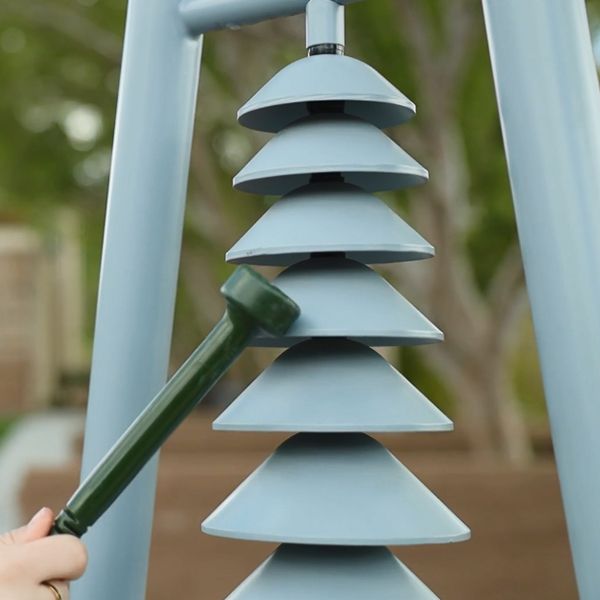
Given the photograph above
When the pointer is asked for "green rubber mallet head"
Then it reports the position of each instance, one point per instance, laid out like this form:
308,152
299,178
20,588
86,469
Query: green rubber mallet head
254,297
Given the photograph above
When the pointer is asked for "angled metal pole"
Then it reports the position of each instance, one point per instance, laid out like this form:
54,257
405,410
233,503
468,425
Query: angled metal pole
549,103
142,240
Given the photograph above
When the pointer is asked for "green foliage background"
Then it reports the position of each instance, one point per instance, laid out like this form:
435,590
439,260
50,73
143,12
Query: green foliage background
49,66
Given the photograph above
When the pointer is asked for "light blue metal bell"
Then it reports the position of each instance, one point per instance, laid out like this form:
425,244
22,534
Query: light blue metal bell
343,298
332,386
332,495
335,489
324,144
295,572
327,78
326,218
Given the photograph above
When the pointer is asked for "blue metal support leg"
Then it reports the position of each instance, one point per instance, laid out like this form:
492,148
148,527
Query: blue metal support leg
550,111
155,118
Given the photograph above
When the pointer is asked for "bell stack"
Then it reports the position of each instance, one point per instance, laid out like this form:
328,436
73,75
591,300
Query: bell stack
331,495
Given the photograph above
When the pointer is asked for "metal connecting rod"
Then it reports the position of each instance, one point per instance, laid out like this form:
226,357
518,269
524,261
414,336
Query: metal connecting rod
325,33
202,16
549,102
252,303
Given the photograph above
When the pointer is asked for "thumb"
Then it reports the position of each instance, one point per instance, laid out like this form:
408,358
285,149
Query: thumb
37,528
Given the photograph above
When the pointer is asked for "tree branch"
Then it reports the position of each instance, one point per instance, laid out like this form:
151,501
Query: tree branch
507,281
461,31
506,300
418,33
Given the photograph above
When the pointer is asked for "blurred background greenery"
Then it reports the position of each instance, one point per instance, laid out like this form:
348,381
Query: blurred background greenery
59,74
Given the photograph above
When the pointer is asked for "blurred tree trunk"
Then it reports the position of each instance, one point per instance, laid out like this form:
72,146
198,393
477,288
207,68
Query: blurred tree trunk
479,326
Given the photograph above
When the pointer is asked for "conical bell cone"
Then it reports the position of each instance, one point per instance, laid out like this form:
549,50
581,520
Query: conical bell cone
335,489
341,298
329,217
332,386
324,82
332,573
324,145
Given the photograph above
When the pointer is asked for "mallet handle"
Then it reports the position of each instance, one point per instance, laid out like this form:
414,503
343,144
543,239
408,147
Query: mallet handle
252,302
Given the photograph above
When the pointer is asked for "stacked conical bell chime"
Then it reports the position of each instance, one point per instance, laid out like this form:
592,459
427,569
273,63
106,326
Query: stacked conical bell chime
331,495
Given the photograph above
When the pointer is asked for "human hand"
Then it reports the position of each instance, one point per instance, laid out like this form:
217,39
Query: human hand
28,558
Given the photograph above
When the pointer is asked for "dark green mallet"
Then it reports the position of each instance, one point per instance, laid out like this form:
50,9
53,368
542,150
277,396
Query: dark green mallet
252,303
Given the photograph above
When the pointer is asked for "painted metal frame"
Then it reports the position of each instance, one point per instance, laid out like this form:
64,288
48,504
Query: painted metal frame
551,158
140,264
549,102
